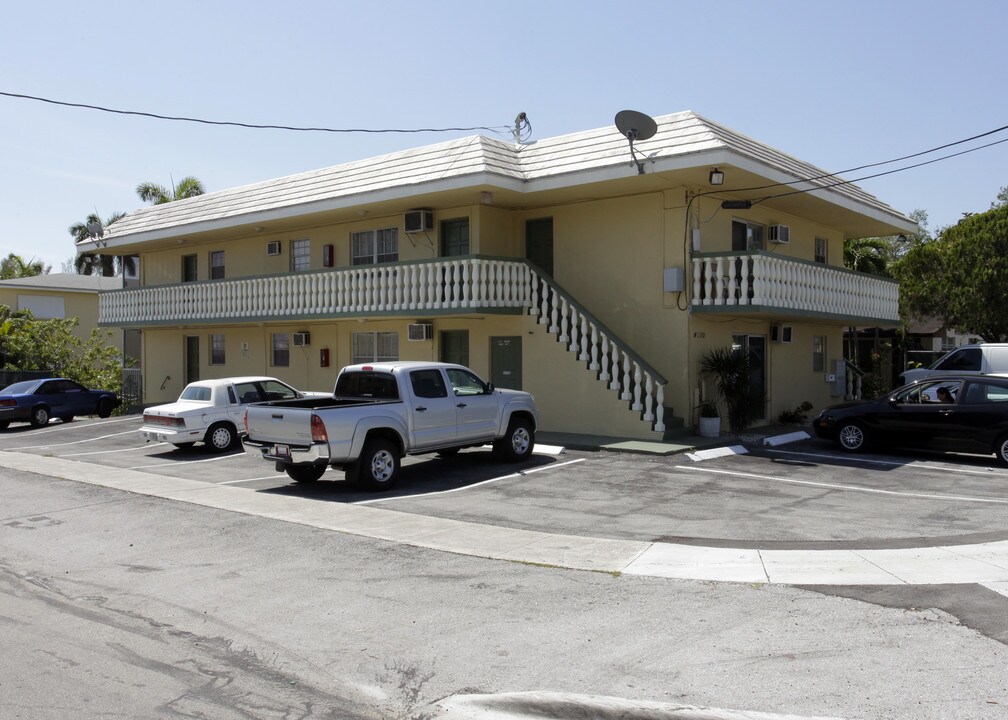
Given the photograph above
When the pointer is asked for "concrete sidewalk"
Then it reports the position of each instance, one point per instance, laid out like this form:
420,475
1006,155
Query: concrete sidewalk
985,563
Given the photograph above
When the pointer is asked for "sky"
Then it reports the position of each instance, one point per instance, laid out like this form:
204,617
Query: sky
837,84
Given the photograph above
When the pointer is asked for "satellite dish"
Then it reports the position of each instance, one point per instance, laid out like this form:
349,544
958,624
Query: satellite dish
633,126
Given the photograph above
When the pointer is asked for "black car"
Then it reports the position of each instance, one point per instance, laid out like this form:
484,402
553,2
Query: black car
941,413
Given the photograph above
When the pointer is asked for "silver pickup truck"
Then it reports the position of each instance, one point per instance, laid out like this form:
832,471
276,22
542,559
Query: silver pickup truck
382,411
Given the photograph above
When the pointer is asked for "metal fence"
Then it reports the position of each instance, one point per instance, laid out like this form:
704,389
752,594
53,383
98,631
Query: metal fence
132,390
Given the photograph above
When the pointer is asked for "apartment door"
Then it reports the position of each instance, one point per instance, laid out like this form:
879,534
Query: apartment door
506,362
755,347
191,358
455,347
455,237
539,243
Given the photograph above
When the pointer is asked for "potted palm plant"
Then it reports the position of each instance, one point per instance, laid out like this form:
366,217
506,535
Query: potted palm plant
710,420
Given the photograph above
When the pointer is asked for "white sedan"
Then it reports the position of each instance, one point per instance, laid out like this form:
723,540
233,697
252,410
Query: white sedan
212,411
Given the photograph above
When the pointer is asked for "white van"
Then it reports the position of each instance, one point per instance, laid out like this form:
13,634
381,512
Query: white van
982,359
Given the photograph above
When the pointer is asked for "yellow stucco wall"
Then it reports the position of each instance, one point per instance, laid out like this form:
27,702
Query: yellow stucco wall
608,254
83,306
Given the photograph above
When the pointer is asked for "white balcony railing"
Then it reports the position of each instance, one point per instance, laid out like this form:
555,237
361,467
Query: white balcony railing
444,284
436,285
761,281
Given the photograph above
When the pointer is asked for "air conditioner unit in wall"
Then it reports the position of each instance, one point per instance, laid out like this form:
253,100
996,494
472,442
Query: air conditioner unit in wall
418,220
780,234
301,338
273,247
780,333
420,331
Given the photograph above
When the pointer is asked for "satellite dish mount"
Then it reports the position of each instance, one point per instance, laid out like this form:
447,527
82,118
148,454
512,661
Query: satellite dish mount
635,126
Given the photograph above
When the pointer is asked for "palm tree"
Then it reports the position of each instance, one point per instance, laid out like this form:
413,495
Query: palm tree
95,263
15,266
868,255
155,194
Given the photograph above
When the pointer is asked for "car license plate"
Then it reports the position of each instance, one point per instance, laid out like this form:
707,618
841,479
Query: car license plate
281,450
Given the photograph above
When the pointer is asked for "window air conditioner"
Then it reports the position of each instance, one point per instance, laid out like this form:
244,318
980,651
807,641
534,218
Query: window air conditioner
780,234
780,333
420,331
302,338
273,247
418,220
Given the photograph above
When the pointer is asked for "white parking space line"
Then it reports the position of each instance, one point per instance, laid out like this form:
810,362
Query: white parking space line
891,463
62,425
74,442
179,463
110,452
278,476
837,486
520,473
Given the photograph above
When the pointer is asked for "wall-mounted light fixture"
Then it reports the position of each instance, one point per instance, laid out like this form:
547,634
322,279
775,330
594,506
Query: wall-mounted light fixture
716,177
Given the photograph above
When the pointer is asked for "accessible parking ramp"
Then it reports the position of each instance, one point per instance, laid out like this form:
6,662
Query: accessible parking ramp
985,563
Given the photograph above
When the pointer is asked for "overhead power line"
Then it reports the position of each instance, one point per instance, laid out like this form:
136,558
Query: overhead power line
498,129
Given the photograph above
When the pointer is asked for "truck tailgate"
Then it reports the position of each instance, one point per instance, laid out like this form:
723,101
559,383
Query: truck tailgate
288,425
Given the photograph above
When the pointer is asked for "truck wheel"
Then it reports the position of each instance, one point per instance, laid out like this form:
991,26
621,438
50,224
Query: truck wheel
39,416
517,443
378,465
220,437
305,473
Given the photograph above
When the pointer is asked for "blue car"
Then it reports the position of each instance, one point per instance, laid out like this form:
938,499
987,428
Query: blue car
35,401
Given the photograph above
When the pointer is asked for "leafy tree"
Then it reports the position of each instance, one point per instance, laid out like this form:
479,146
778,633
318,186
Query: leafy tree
95,263
156,194
962,276
1002,198
27,343
15,266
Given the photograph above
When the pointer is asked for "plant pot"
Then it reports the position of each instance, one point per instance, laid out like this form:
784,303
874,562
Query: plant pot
709,427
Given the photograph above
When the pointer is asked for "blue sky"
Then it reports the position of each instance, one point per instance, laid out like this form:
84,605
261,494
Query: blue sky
835,84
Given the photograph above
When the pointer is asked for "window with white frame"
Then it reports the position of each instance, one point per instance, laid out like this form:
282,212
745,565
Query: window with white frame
217,348
374,246
281,350
818,353
300,255
374,347
820,250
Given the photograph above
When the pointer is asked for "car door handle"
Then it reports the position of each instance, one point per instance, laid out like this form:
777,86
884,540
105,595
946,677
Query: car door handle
421,409
461,405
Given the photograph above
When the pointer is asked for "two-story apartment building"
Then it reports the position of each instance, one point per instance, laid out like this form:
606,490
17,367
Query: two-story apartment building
553,266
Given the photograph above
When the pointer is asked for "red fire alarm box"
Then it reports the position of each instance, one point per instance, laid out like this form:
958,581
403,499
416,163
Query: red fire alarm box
324,357
327,256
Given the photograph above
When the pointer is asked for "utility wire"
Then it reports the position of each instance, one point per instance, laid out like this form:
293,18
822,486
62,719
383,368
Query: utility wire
499,130
887,172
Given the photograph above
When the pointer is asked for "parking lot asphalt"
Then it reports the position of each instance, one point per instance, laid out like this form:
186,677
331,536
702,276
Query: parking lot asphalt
798,513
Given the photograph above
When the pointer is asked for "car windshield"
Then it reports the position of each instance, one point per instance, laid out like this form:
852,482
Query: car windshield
19,387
